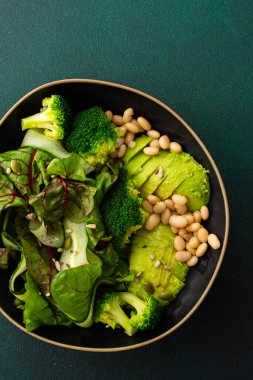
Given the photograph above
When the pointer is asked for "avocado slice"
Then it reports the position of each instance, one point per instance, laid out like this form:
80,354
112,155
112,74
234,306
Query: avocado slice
178,171
141,142
152,183
196,189
146,171
135,165
168,279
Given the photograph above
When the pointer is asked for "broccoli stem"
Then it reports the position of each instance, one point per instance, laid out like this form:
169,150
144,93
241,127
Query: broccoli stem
122,320
34,121
134,301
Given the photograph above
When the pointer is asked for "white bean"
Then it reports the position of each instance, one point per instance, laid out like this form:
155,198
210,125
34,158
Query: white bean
132,144
154,134
201,250
129,137
127,115
179,243
202,235
190,249
131,127
155,143
189,217
119,141
193,227
122,150
151,151
175,147
152,221
183,256
187,236
159,207
194,242
108,115
165,216
180,200
153,199
178,221
147,207
164,142
213,241
144,123
174,229
170,204
197,216
193,261
117,120
204,212
122,129
181,210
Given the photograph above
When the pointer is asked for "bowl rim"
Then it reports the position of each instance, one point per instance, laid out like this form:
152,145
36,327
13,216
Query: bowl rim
227,218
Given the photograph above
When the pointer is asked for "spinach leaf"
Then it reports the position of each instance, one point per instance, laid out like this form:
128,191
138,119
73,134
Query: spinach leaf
68,168
26,167
72,288
9,196
37,311
73,200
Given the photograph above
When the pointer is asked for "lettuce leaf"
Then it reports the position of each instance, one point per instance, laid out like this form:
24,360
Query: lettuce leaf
73,200
26,167
37,310
72,288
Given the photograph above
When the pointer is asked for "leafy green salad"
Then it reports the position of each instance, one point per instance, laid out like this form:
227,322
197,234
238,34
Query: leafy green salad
88,221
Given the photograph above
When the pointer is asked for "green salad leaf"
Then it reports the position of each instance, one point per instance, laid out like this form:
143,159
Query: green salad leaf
72,288
9,196
26,168
61,198
4,257
37,311
38,259
70,168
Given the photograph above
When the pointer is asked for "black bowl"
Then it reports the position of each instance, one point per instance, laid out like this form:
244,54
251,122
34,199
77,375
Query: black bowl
82,93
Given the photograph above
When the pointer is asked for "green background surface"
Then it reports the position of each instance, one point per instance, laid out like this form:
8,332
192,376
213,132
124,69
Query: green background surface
196,56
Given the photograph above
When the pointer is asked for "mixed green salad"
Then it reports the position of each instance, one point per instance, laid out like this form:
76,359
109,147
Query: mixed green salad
88,221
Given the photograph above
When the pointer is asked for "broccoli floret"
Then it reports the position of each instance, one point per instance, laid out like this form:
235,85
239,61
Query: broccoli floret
92,136
54,117
147,313
108,310
121,211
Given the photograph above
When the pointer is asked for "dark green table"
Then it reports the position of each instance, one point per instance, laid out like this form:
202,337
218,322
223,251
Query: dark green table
197,57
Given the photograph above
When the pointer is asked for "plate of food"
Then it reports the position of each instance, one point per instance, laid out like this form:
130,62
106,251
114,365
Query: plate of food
114,217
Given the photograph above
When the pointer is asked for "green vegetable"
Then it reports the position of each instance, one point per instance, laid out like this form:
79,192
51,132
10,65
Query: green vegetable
147,313
61,198
36,139
108,310
121,211
92,136
37,311
38,259
50,234
70,168
167,279
20,269
26,168
4,257
54,118
9,195
72,290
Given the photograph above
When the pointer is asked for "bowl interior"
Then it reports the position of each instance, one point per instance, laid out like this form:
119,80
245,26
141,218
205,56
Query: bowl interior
81,95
